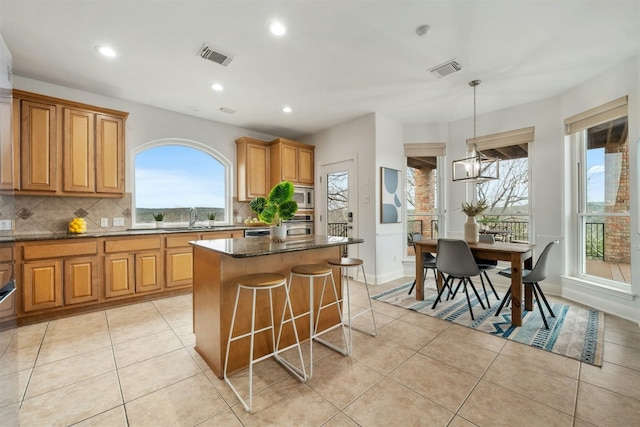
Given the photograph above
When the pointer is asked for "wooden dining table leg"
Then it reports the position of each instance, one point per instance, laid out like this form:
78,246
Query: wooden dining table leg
516,289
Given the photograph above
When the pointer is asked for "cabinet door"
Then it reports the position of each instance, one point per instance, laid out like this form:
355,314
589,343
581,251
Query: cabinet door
305,166
42,284
109,154
9,145
148,271
80,280
118,275
79,157
38,146
179,267
257,171
288,163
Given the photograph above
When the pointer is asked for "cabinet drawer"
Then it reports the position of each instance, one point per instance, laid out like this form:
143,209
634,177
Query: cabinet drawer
59,250
131,245
180,241
6,254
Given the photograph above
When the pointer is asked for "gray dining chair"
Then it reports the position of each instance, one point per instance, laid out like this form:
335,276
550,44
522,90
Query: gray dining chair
531,278
456,261
487,264
428,261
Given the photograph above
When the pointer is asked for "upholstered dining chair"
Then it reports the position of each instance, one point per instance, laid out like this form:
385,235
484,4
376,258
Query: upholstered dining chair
531,278
487,264
428,261
456,261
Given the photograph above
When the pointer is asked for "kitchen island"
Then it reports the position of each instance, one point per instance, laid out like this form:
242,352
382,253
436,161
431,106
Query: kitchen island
217,264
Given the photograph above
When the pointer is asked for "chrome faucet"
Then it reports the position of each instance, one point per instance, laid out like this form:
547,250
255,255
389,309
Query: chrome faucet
193,215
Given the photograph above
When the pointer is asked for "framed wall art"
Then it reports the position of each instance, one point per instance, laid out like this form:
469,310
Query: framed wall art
390,197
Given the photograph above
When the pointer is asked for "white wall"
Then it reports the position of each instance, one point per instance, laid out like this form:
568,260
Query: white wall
390,238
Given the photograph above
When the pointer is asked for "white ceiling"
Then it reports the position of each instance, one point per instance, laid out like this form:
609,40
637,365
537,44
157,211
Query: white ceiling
338,60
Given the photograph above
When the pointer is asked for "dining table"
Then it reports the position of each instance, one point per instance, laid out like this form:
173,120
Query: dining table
518,254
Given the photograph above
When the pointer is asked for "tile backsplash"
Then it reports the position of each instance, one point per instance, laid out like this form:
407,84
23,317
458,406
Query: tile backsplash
48,214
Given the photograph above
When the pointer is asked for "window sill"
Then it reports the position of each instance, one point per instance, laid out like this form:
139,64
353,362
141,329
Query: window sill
620,291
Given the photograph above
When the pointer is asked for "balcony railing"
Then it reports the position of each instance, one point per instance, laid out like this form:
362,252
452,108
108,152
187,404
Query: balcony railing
594,239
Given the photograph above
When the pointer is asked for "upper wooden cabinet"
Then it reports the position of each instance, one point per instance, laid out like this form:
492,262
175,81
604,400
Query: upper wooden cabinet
9,145
84,142
262,164
291,161
252,168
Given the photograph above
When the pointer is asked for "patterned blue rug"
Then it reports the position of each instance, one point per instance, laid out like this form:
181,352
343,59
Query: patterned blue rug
575,332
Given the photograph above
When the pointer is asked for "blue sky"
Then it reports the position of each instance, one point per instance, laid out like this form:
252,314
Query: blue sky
176,176
595,175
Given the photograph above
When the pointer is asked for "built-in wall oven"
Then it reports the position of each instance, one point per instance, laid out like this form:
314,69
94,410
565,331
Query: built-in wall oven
300,225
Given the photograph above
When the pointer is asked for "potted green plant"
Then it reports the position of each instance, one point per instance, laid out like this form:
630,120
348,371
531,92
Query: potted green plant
278,207
212,218
471,227
159,217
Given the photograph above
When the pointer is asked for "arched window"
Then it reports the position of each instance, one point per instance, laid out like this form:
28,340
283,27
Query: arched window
172,176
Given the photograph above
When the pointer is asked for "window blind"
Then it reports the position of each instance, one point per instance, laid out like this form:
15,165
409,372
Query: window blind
434,149
596,116
504,139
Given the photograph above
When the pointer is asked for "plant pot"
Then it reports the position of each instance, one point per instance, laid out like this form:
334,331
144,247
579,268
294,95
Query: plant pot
278,233
471,230
159,224
212,222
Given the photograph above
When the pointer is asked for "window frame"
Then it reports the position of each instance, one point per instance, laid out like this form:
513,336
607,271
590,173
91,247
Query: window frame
206,149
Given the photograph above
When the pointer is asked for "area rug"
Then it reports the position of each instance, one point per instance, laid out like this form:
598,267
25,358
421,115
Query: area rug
575,332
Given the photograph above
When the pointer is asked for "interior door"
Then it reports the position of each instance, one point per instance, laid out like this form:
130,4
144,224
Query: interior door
338,198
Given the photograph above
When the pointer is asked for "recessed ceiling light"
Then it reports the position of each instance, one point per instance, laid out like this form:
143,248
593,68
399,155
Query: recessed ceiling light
217,87
106,51
423,30
286,109
277,28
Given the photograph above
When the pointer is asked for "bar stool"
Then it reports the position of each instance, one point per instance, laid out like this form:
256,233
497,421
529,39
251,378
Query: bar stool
344,264
317,271
254,283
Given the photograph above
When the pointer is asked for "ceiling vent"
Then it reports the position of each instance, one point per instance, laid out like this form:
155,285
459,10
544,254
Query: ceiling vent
215,55
445,69
227,110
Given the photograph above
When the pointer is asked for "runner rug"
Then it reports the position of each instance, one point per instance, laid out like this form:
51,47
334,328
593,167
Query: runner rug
575,332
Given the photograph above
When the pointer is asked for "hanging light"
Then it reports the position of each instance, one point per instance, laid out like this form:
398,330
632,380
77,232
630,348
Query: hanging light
475,166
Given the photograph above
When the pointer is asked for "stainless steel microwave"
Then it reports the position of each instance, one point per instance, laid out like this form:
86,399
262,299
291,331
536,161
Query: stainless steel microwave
304,197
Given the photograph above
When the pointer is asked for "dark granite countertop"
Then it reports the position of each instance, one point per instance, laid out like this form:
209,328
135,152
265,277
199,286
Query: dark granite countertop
257,246
120,233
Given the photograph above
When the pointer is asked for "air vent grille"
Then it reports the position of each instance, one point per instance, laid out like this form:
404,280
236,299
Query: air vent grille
215,55
227,110
445,69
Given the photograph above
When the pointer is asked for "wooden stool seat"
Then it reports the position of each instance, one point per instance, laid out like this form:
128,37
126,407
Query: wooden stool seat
261,280
345,262
310,269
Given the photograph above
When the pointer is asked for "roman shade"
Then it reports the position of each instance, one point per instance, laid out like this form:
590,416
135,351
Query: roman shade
425,149
596,116
504,139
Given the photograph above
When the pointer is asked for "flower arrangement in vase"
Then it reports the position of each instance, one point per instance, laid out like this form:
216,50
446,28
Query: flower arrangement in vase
278,207
471,227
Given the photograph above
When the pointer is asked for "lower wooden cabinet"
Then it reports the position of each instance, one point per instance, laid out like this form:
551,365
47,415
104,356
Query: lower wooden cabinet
80,280
42,284
58,274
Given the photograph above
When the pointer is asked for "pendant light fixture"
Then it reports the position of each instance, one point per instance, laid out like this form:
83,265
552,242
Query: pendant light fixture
475,166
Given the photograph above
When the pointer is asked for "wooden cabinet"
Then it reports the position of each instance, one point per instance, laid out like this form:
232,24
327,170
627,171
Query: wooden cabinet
9,144
58,273
38,146
132,265
291,161
252,168
85,143
179,255
8,306
80,280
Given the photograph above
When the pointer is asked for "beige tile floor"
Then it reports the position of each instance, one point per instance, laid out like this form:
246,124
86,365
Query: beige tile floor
136,366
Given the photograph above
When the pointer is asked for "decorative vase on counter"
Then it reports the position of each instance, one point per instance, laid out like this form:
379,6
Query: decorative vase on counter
278,233
471,230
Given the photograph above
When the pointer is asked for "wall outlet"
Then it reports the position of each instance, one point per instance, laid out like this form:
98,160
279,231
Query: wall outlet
104,222
6,224
118,222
